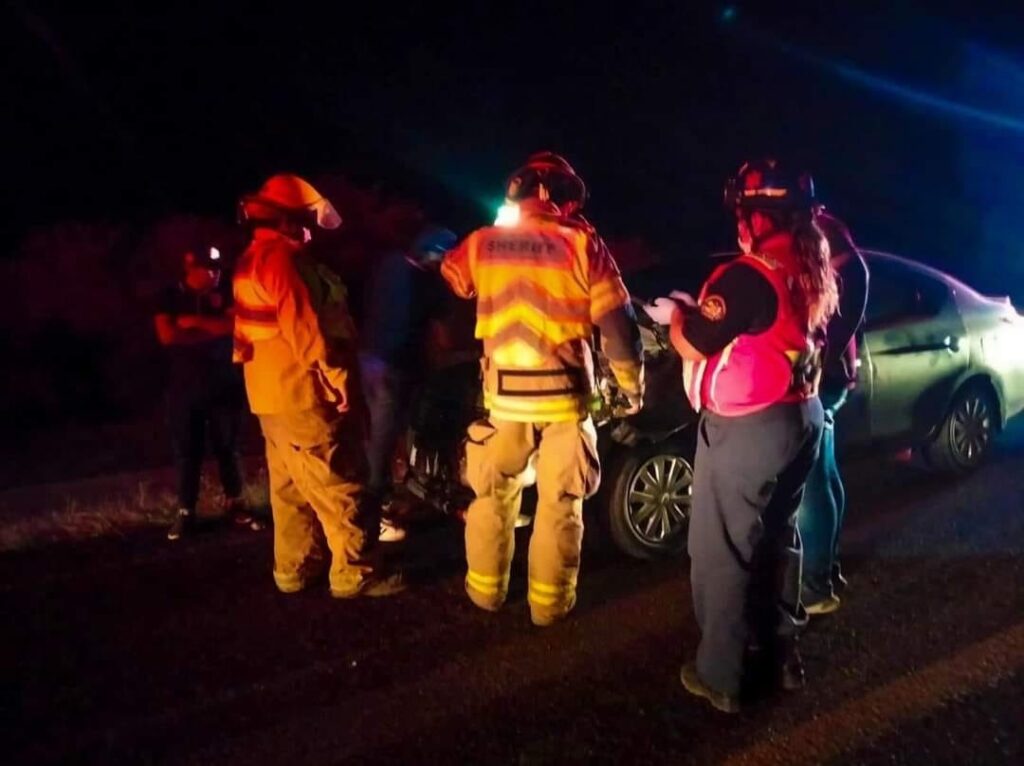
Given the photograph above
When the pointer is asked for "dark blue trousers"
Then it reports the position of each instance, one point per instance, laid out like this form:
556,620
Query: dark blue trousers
193,415
743,542
387,398
823,509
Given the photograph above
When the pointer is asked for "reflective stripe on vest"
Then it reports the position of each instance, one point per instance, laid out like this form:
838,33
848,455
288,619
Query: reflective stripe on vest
255,314
534,315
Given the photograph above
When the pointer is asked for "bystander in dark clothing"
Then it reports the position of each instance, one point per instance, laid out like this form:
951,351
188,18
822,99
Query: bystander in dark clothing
404,296
205,395
823,509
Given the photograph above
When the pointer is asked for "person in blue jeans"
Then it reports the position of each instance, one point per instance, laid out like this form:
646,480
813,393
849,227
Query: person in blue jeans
821,513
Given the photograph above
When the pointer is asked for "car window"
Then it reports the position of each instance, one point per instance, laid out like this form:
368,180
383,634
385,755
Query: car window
898,293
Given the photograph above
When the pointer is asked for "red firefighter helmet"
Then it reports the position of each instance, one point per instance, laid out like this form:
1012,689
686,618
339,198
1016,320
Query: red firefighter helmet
767,185
286,196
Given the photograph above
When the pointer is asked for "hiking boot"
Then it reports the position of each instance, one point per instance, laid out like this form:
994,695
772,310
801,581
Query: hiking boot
390,532
825,605
184,524
374,586
692,682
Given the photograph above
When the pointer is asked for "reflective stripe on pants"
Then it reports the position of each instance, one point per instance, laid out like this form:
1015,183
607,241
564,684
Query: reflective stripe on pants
498,455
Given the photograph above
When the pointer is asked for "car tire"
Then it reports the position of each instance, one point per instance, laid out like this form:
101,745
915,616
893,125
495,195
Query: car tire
648,498
965,436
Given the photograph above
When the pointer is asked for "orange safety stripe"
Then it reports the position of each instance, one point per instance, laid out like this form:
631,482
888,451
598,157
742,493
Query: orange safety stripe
535,305
532,294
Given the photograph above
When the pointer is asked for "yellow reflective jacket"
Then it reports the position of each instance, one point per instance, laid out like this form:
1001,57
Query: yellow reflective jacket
293,332
541,287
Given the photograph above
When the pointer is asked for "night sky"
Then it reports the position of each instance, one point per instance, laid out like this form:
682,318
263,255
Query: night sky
912,120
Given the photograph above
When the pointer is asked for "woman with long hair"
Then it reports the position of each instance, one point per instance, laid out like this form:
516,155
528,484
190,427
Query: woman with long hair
821,514
751,347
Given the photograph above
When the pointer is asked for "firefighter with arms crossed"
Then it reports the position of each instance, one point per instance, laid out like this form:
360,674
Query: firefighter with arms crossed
296,341
751,353
542,284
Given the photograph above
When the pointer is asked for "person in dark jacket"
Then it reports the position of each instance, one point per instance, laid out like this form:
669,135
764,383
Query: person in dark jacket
404,294
821,514
193,321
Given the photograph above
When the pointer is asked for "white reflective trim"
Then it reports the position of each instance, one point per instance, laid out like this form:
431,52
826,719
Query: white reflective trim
723,360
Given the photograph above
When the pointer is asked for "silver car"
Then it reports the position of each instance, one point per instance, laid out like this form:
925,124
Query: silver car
941,370
941,366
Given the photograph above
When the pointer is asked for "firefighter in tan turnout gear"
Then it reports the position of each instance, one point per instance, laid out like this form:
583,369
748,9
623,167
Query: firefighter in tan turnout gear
296,342
542,282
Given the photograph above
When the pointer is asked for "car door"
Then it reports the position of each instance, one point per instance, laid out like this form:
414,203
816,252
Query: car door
917,348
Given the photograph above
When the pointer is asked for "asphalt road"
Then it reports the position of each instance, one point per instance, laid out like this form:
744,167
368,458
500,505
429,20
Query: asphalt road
138,651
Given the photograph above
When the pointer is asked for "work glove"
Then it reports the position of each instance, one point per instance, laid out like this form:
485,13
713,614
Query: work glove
662,309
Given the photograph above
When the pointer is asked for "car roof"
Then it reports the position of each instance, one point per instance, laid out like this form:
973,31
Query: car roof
921,268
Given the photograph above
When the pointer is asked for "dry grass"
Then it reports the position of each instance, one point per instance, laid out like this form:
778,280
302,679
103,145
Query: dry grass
137,505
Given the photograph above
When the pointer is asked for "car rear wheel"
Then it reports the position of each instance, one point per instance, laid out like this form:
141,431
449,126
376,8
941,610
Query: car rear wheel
648,505
965,436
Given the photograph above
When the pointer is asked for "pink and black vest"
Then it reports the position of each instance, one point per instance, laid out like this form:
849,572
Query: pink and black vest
754,372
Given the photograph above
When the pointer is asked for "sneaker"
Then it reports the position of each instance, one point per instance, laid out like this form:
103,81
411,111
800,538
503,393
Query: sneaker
692,682
825,605
236,512
257,525
374,586
389,532
182,525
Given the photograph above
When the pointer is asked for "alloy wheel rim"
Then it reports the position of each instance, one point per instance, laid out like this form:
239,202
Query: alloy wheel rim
659,499
971,429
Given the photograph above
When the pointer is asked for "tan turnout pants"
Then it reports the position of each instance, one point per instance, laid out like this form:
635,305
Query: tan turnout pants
317,468
498,455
